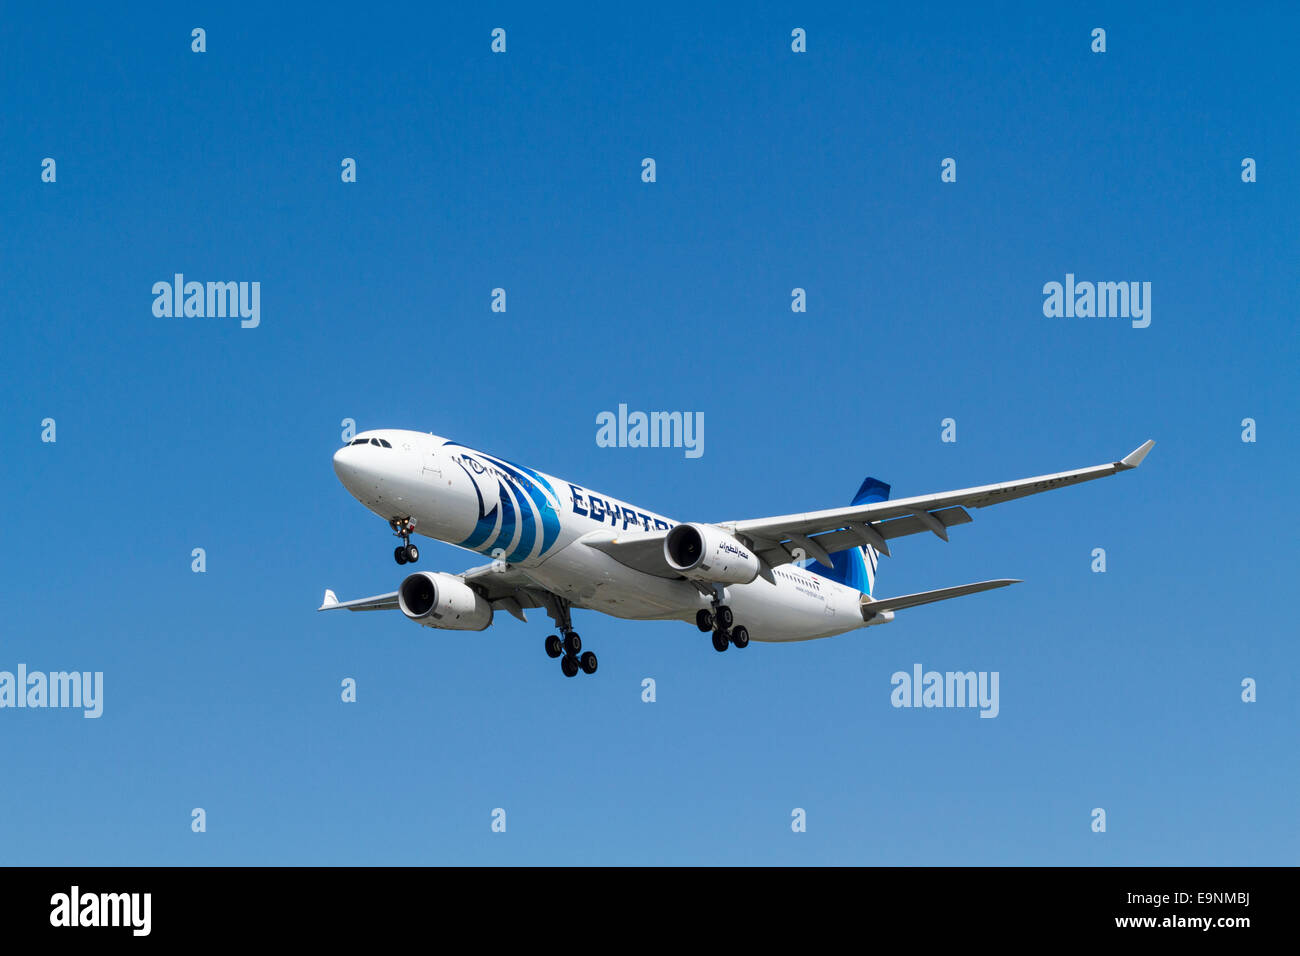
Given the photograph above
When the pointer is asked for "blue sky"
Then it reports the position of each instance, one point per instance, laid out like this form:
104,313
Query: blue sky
775,170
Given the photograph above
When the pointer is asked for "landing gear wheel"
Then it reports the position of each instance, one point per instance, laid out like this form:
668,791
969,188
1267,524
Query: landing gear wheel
704,620
568,643
404,553
720,641
724,617
740,637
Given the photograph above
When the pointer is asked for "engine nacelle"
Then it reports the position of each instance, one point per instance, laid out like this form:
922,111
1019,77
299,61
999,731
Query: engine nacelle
702,552
435,599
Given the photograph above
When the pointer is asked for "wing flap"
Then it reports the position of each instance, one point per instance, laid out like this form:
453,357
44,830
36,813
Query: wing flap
776,553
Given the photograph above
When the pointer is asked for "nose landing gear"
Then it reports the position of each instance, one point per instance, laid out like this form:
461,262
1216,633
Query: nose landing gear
404,553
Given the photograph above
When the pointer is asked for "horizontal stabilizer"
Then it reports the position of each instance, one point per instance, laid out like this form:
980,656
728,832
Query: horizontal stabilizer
870,607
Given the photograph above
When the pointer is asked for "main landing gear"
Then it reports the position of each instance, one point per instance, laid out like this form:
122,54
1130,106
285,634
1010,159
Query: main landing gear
719,620
567,645
404,553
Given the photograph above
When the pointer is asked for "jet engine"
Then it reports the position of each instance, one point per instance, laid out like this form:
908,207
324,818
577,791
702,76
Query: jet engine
702,552
435,599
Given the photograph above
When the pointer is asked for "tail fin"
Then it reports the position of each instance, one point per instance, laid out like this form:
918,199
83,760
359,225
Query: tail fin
856,567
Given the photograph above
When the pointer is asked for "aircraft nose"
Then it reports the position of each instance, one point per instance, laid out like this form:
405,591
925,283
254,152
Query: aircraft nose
350,466
372,473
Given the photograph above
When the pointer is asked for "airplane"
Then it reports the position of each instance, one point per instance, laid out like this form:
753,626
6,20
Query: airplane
557,545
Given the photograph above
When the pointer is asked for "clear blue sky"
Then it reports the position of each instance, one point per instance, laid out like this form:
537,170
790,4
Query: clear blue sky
775,170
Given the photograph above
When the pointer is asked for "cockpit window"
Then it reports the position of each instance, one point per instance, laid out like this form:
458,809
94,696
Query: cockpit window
359,441
384,442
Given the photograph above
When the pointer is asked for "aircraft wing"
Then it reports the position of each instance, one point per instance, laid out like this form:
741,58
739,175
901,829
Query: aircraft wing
506,588
380,602
641,550
819,534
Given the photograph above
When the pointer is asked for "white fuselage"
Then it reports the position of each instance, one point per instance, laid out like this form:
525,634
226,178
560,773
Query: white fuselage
536,523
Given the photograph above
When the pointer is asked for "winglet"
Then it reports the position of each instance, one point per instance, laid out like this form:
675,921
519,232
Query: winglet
331,600
1134,458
